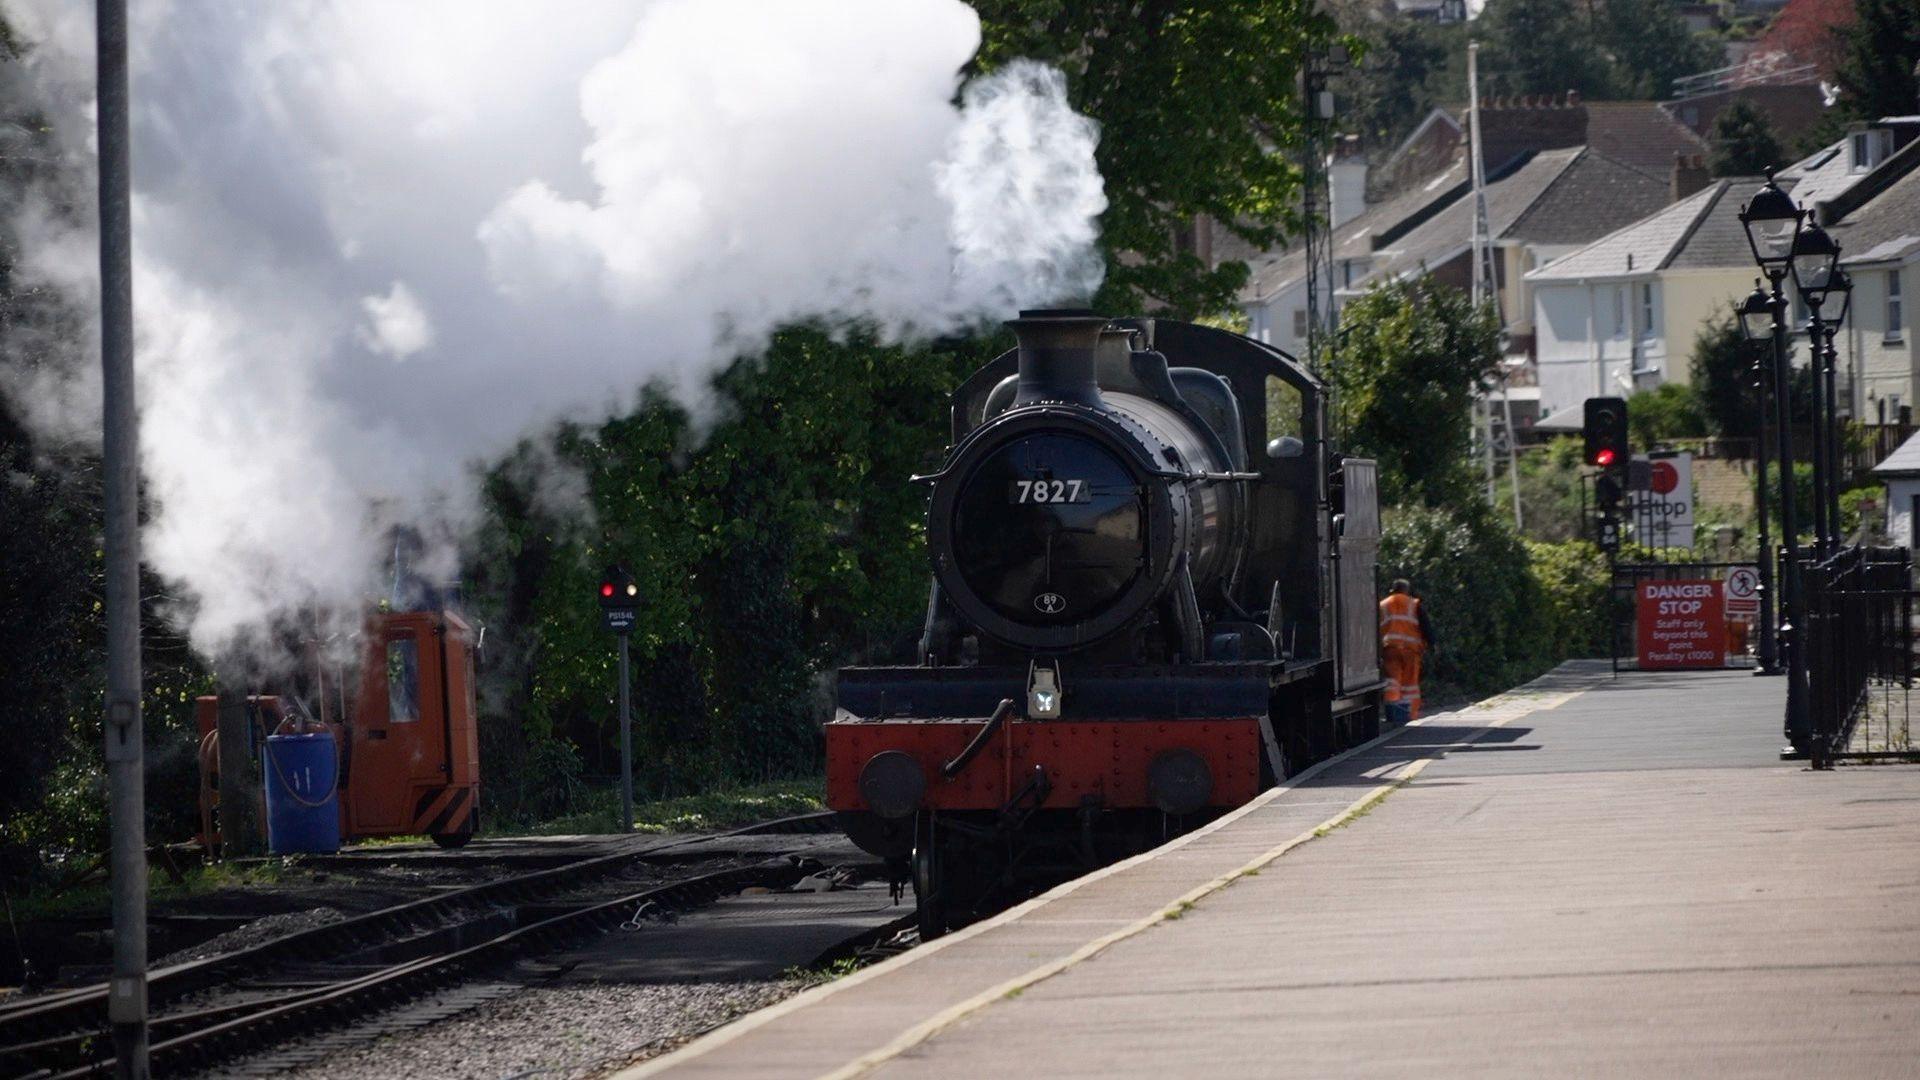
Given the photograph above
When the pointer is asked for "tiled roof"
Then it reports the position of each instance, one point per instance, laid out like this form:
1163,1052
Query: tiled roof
1641,135
1886,228
1820,176
1356,238
1647,244
1718,240
1904,460
1521,206
1593,196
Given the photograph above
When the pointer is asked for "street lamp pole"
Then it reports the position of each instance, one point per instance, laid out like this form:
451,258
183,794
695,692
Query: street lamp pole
1816,276
1840,285
1772,223
1756,325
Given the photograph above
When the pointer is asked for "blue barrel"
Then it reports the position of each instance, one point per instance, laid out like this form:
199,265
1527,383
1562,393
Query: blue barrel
303,793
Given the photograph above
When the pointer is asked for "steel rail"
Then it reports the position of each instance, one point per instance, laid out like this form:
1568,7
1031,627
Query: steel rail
223,1032
83,1009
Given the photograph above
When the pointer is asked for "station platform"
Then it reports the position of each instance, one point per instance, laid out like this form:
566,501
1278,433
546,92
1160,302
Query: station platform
1590,875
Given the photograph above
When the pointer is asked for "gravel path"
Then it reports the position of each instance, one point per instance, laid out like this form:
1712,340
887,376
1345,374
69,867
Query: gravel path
552,1032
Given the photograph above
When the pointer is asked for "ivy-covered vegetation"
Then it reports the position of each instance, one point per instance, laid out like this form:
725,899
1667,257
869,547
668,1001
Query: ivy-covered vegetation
775,536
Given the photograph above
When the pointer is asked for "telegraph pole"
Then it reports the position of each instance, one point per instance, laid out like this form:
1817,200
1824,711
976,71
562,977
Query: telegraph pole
120,466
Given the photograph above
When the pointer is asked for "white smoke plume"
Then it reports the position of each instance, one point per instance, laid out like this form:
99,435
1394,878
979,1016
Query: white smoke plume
378,241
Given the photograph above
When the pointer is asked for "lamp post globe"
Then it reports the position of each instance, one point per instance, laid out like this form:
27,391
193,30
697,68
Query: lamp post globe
1756,315
1772,223
1813,263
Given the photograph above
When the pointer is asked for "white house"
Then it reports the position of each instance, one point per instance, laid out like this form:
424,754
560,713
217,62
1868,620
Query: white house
1878,227
1901,474
1621,314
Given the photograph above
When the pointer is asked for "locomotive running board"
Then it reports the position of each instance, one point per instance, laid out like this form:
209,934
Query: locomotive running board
1196,691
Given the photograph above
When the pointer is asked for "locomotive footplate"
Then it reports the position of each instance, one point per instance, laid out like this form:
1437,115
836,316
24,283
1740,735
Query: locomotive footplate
1137,738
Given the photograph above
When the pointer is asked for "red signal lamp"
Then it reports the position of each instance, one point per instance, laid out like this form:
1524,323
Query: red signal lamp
606,588
1603,457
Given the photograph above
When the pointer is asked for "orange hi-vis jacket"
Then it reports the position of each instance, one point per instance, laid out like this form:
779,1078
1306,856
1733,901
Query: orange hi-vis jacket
1401,646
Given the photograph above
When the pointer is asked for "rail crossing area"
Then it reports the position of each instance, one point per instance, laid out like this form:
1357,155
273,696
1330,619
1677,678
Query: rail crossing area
1594,875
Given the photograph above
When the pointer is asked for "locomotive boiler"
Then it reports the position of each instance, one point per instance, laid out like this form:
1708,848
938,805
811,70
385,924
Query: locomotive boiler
1153,595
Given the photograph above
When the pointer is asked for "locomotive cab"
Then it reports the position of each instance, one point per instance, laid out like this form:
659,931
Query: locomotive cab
1141,611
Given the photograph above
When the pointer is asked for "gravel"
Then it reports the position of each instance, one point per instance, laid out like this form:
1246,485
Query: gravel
574,1031
259,931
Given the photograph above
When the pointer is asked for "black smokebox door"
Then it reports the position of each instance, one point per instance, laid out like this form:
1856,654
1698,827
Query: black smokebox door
1048,529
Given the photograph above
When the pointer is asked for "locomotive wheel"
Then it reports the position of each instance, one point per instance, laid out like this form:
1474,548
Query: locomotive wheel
451,840
929,878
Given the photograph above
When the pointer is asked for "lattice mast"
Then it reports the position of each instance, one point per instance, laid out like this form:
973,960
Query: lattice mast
1486,290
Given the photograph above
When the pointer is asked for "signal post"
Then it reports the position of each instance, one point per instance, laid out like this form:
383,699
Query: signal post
619,603
1605,433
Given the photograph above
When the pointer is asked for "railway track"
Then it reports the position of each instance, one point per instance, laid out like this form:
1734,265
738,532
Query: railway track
331,974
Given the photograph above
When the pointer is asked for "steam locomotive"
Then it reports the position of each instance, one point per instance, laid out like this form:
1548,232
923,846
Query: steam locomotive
1153,596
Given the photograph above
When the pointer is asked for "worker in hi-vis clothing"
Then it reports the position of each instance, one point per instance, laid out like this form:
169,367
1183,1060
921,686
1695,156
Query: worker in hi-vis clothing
1405,636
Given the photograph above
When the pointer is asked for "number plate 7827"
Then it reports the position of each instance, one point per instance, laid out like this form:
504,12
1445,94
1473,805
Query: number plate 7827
1022,492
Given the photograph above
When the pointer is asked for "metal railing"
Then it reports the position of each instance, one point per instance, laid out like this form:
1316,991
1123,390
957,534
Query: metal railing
1766,71
1860,638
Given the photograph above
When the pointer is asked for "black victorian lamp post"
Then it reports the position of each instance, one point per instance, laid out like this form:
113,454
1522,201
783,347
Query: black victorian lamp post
1772,223
1836,300
1756,325
1814,260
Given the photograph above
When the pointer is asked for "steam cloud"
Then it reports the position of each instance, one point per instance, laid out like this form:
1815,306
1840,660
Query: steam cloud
375,242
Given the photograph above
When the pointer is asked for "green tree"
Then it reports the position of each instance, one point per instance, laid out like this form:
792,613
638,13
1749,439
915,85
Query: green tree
1398,81
1723,378
1743,142
1650,46
1415,352
1193,98
1541,47
1666,412
1878,54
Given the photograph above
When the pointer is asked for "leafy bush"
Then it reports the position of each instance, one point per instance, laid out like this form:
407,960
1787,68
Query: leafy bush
1551,494
1475,580
1667,412
1573,580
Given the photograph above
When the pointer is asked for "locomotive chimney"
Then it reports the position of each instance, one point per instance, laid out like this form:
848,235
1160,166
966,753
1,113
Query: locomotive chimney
1058,356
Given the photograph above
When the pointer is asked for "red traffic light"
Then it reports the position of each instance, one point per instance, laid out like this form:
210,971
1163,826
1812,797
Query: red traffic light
606,588
1603,457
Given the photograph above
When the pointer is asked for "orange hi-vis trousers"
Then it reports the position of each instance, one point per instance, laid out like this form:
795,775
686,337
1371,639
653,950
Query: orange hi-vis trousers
1400,665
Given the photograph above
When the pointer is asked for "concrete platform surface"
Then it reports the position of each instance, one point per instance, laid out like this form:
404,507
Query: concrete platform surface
1593,877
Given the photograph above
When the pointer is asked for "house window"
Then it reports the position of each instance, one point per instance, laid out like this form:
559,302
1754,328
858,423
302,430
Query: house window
1300,322
1646,309
1869,148
1894,305
1619,312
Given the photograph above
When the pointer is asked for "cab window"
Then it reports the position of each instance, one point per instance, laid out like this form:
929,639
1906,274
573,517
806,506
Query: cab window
403,681
1285,410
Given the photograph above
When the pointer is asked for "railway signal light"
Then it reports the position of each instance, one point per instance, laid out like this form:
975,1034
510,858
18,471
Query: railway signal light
618,590
1607,494
1606,432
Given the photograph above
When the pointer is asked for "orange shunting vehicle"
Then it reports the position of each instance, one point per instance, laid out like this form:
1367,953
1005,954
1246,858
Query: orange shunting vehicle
405,750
